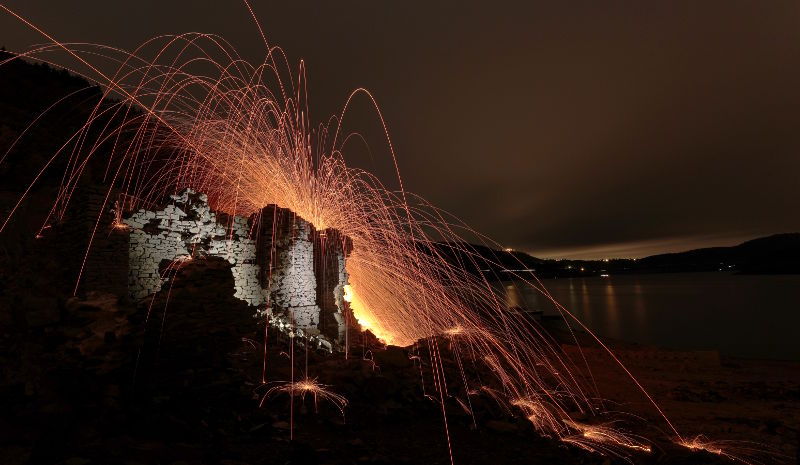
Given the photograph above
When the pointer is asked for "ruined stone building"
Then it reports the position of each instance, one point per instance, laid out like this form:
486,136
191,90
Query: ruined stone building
282,266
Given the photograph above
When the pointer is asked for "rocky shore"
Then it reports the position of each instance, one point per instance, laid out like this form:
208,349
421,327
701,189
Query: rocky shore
179,381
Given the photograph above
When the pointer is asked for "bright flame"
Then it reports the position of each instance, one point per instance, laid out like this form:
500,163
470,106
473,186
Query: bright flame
365,317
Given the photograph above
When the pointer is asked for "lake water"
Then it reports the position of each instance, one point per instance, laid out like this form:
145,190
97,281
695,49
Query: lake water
739,315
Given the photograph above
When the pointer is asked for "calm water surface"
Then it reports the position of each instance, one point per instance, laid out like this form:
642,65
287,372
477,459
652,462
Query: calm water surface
739,315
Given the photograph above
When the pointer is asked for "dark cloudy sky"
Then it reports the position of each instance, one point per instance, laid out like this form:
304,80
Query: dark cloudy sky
586,129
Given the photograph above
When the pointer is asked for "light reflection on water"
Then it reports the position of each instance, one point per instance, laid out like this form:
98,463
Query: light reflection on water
740,315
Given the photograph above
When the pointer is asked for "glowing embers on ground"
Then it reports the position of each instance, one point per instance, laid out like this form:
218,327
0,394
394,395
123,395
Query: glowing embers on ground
750,453
308,386
605,438
600,437
538,414
701,443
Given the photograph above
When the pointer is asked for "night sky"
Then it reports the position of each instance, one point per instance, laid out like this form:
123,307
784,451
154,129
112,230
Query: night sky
565,129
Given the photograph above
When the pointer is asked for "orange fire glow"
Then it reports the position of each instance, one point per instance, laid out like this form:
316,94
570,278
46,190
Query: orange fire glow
366,318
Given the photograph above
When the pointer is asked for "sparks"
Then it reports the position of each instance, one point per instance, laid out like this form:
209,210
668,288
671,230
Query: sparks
308,386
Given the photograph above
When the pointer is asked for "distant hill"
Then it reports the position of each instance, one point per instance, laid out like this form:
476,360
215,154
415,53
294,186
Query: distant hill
779,253
776,254
481,259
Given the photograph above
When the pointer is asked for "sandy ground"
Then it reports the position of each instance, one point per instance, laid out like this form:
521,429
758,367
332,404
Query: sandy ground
753,403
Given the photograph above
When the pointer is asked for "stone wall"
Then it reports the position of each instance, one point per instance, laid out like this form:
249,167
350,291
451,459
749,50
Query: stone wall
280,263
330,251
184,230
293,286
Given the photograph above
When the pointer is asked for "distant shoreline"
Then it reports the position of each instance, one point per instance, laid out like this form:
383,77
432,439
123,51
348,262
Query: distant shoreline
778,254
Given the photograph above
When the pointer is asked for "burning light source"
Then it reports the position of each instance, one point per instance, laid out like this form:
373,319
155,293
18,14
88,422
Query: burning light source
364,317
348,293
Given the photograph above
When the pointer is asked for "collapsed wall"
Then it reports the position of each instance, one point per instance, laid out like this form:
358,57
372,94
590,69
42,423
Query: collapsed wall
330,251
184,230
306,271
292,283
281,265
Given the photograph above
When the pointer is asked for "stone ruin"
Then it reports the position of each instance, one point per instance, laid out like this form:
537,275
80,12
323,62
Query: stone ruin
282,266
